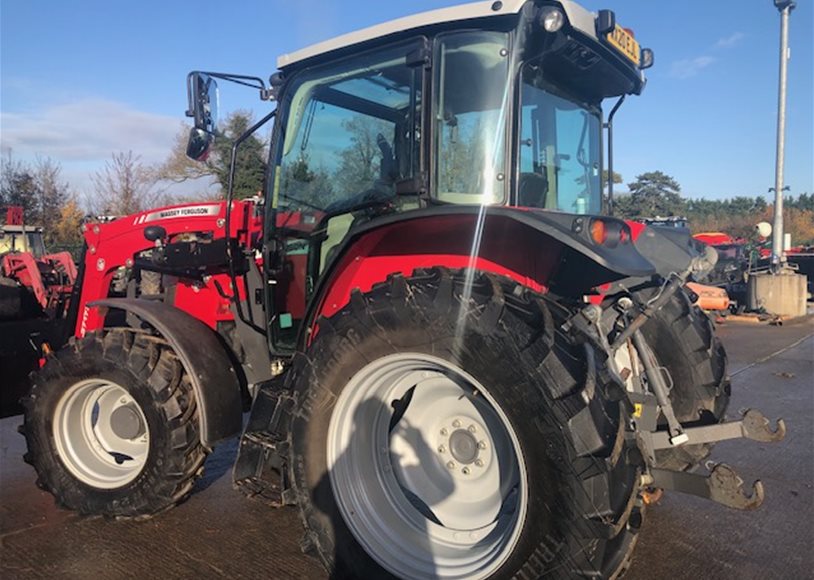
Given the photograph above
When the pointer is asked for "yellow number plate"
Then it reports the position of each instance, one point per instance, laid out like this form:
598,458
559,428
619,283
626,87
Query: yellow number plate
625,43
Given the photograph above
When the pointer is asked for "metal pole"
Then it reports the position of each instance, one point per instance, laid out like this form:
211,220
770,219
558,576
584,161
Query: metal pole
785,7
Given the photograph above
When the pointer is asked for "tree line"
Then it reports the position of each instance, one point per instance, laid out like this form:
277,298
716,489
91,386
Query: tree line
655,193
126,185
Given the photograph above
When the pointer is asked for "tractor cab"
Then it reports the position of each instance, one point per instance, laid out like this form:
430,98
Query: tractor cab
488,104
16,237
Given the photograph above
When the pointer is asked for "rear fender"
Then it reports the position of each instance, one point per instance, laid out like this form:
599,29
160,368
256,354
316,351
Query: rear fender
540,249
214,381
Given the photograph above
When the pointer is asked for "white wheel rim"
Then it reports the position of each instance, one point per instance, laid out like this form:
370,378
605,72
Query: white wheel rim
101,434
452,452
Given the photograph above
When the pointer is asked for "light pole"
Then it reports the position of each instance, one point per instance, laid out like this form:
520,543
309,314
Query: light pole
785,7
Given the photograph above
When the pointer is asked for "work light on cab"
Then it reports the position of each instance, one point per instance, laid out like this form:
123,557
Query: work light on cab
552,19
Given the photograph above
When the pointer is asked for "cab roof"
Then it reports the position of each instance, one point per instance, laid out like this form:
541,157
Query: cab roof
578,17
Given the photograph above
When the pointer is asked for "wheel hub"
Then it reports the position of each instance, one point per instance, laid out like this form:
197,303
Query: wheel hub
126,423
463,446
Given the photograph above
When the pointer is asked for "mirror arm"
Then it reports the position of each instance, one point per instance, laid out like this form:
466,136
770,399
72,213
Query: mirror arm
266,94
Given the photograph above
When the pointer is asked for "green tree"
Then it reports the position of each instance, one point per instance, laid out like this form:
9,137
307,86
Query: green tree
617,178
306,187
655,194
250,165
18,187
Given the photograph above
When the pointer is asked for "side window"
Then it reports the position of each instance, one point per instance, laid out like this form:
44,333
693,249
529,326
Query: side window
470,117
559,150
351,133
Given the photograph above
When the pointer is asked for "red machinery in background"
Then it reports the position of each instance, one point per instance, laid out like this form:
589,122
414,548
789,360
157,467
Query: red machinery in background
27,271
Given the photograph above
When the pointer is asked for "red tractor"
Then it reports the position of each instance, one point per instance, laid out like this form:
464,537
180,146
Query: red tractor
457,366
32,283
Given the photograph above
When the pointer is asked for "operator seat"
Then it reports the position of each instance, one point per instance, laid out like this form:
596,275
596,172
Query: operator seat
532,190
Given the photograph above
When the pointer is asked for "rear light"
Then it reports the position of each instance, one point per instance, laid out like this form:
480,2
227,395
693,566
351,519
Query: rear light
624,236
599,233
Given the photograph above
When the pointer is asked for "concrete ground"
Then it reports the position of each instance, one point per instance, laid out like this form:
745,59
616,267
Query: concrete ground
219,533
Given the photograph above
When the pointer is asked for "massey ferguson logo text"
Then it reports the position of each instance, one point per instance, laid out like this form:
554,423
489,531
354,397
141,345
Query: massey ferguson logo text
190,211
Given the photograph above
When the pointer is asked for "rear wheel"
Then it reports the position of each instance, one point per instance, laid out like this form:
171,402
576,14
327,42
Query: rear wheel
111,426
446,429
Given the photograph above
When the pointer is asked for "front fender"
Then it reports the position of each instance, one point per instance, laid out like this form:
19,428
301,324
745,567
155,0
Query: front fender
213,378
668,249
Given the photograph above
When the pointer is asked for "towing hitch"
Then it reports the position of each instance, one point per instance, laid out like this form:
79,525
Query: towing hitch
722,485
754,425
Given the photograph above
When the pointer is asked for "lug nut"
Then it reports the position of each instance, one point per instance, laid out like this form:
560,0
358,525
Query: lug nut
444,432
465,471
481,444
472,428
442,449
451,465
479,462
456,423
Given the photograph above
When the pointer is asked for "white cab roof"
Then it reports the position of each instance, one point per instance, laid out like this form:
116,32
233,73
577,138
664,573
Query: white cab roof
577,16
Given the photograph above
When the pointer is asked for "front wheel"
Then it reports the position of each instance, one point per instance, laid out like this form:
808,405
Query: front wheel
111,425
446,429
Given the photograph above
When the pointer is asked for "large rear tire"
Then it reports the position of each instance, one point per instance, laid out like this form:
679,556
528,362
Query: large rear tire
445,428
112,428
683,340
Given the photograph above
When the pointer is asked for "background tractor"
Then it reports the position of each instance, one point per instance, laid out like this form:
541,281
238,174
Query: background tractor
32,282
35,289
456,365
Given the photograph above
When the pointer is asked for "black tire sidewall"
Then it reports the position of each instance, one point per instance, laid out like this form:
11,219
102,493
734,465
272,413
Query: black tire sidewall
53,381
345,346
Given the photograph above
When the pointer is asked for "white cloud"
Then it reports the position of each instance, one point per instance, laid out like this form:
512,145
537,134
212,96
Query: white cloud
730,41
82,135
88,130
686,68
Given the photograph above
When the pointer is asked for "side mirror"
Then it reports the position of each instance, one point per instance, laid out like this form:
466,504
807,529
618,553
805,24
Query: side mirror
605,22
153,233
202,93
198,144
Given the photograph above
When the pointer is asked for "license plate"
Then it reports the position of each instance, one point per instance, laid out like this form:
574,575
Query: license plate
622,41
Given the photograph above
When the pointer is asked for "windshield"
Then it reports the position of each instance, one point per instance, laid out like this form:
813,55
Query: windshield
559,149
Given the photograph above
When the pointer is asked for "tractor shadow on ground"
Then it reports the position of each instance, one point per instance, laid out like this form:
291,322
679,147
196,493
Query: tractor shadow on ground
218,464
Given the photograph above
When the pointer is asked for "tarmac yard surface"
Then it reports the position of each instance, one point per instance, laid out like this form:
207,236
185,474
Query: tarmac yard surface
220,533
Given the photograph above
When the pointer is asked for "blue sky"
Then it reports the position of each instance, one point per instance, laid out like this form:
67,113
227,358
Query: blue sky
81,80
